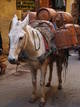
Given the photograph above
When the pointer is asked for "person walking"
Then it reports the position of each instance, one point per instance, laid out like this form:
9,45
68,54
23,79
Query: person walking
2,65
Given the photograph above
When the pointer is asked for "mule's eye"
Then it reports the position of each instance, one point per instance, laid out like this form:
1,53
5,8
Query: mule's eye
20,38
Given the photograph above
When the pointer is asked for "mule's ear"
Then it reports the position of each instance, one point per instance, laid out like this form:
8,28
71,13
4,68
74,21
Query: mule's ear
14,20
25,21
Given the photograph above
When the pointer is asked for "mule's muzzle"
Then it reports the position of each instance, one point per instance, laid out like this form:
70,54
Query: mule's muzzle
12,61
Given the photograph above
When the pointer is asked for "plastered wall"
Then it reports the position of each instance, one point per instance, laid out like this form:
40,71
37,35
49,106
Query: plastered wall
7,11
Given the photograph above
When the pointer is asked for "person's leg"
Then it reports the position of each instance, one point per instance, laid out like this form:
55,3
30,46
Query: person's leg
3,68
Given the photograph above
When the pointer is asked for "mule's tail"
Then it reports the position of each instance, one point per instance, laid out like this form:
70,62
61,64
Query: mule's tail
65,62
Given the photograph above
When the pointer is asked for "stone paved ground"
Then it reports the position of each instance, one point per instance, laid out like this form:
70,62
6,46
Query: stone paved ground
15,90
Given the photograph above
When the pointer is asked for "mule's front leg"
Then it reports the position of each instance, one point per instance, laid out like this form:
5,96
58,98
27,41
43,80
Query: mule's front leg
34,83
42,82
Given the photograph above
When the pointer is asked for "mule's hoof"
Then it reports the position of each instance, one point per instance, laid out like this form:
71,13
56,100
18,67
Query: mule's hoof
32,100
48,85
59,87
41,104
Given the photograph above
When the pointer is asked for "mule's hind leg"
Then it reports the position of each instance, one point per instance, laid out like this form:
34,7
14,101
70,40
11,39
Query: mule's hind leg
34,83
59,73
50,74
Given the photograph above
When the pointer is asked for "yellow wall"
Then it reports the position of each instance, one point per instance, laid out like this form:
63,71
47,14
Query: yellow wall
7,11
69,5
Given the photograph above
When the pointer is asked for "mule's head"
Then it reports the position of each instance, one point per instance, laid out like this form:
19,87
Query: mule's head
17,38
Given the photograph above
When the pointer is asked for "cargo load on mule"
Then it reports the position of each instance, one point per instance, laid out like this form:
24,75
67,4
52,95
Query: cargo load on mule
59,17
46,14
76,29
63,37
62,18
32,16
66,38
